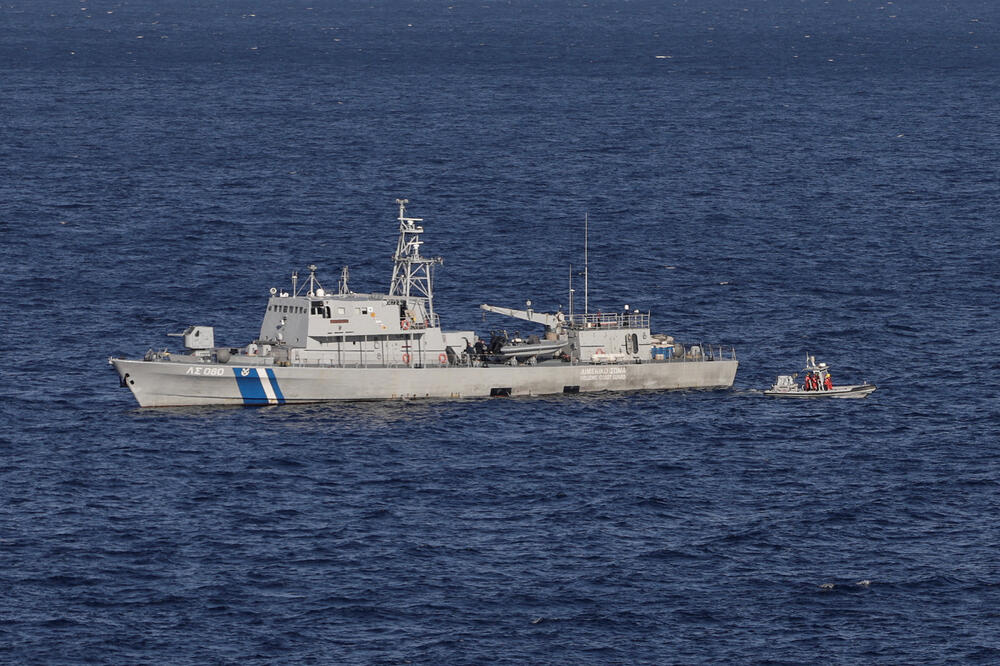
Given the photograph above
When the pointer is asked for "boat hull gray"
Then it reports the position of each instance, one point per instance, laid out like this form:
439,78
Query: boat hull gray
175,384
842,392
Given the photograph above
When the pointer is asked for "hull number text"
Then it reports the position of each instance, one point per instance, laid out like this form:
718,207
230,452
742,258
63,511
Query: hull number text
205,372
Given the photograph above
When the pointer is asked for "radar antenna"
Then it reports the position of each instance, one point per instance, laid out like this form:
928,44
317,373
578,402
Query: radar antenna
411,276
315,288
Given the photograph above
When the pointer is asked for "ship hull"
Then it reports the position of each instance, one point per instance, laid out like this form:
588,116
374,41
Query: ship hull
173,384
842,392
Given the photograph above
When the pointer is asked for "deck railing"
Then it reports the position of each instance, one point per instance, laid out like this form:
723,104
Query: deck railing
434,321
692,354
608,320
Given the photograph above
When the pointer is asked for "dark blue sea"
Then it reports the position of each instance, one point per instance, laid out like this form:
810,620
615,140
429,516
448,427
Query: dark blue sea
782,177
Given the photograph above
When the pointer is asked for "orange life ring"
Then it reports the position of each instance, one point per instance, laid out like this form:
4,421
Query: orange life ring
404,324
406,358
443,358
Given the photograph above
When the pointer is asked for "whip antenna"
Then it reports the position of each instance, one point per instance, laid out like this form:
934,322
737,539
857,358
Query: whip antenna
586,285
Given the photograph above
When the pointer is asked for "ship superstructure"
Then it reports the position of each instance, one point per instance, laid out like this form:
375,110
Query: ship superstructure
310,327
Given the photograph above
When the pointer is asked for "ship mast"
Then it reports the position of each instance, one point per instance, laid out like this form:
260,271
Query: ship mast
411,276
345,273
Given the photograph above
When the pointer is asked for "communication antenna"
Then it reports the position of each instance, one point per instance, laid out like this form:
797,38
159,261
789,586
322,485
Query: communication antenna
586,264
571,290
345,274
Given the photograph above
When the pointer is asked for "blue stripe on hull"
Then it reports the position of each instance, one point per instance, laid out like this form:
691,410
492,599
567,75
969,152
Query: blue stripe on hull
250,387
274,385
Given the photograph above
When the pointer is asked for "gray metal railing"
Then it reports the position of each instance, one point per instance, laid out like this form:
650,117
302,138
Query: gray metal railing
609,320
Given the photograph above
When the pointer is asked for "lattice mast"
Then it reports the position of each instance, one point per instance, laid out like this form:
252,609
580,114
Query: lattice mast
411,275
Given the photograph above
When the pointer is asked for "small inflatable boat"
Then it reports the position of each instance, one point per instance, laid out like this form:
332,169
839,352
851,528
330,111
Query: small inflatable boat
817,384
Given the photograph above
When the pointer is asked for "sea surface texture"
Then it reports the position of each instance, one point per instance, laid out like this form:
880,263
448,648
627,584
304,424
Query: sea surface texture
782,178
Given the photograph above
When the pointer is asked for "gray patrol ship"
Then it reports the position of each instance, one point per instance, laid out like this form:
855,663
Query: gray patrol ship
316,346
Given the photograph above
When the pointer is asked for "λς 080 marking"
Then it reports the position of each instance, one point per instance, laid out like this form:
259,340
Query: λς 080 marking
205,372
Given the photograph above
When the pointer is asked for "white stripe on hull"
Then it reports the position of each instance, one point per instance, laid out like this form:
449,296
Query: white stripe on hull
266,383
